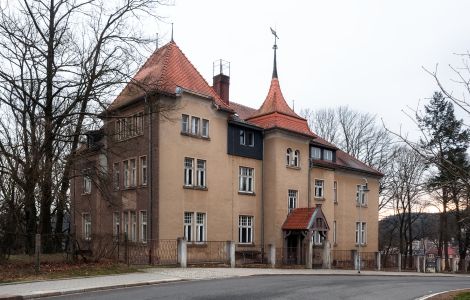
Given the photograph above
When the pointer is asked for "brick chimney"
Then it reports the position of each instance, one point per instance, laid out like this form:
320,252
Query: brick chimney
221,79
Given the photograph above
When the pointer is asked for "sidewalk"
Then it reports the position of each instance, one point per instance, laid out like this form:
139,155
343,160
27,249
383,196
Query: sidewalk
163,275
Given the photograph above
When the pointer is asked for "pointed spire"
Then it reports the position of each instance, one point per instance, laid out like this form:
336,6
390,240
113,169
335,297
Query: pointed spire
275,49
172,32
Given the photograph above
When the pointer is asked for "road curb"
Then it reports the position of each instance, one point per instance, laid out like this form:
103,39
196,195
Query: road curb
93,289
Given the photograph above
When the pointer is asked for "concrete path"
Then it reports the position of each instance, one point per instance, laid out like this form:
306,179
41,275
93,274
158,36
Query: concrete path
162,275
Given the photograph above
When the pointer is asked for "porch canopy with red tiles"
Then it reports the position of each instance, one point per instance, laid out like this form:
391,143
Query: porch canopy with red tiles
306,219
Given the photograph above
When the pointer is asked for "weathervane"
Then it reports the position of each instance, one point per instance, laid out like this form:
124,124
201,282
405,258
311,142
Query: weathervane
275,48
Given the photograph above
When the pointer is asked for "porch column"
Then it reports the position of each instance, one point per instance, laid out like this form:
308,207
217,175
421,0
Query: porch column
272,255
326,255
379,261
299,250
309,254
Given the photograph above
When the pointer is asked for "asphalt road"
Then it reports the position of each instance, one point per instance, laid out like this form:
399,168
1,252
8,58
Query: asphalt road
288,287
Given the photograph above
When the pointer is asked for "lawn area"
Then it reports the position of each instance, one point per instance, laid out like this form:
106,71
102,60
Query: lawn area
462,296
22,269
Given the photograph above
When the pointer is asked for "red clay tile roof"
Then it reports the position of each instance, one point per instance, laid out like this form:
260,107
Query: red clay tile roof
299,219
244,112
166,69
275,113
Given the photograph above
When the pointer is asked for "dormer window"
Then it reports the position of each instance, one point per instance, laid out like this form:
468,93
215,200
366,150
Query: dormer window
247,138
316,153
328,155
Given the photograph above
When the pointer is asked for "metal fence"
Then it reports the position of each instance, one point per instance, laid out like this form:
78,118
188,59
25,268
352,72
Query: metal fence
369,260
389,262
210,252
342,259
152,252
250,256
290,256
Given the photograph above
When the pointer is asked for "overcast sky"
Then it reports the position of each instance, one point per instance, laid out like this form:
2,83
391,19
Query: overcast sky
366,54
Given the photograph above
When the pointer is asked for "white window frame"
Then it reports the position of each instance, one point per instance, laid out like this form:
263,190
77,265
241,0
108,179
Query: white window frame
188,171
249,138
185,126
133,172
86,229
316,153
201,173
200,219
188,218
292,196
245,229
296,159
195,125
126,171
327,155
133,220
288,156
143,218
361,233
205,128
360,191
319,188
86,182
317,238
116,223
246,180
143,170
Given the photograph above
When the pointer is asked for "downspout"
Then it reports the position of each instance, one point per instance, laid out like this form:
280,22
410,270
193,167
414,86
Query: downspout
262,198
150,171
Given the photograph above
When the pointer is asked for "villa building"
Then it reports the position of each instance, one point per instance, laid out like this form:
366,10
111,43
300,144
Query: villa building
176,158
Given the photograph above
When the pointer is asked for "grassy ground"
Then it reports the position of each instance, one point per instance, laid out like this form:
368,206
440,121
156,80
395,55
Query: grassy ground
22,269
456,295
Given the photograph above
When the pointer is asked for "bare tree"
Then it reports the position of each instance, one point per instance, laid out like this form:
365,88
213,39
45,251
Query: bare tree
62,60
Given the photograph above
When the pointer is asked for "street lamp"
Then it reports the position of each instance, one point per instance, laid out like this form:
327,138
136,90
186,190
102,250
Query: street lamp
361,197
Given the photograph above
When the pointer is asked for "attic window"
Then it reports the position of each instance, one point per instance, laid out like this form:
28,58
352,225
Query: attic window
316,153
327,155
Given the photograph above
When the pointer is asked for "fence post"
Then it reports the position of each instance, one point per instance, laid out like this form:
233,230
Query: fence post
272,255
309,254
182,253
37,252
417,259
126,249
231,253
399,262
379,260
355,258
438,264
326,255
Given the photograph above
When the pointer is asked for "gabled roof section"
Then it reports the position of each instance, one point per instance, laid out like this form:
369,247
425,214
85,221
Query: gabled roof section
243,111
275,113
165,70
299,219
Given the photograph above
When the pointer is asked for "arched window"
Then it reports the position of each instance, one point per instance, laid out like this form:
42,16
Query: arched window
289,156
296,160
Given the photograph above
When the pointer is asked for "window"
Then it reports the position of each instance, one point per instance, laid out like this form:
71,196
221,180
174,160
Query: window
317,238
247,138
335,192
125,221
200,227
246,179
195,125
361,236
292,200
116,223
185,123
86,226
129,127
296,160
143,226
86,182
188,226
361,195
137,124
143,170
334,232
201,173
288,156
327,155
126,174
316,153
116,176
133,235
205,128
118,130
319,188
188,171
133,173
245,229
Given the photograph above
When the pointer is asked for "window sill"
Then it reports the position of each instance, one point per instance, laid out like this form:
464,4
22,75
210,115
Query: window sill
319,198
129,138
129,188
196,136
292,167
363,205
86,194
248,245
199,188
246,193
362,245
